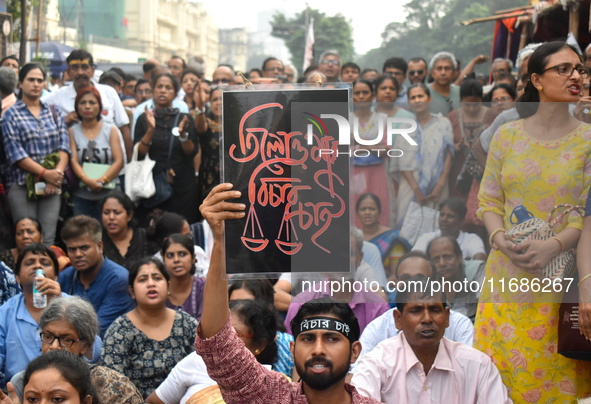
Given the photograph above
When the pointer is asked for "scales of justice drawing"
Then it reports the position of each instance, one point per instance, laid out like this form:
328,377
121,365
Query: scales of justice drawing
297,197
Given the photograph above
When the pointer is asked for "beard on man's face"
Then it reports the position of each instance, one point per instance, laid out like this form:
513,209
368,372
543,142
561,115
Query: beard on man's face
322,381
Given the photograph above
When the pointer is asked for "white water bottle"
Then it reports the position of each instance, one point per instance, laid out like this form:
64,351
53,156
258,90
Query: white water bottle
39,300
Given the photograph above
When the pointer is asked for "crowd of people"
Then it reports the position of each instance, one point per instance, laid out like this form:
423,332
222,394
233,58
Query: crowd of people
133,306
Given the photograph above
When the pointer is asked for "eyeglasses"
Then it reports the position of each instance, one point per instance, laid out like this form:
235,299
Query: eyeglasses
274,69
144,92
566,70
64,342
416,72
221,81
501,71
330,62
501,99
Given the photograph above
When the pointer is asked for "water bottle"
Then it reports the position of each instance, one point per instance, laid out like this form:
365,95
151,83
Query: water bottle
39,300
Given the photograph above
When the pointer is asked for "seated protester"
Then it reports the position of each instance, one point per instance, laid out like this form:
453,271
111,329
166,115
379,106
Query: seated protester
8,284
446,255
162,225
413,264
151,339
185,289
325,343
93,276
123,242
72,325
290,285
366,304
420,364
254,322
19,338
452,213
19,330
26,231
58,376
262,290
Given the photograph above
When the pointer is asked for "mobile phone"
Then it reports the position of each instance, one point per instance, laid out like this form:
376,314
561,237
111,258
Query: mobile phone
40,188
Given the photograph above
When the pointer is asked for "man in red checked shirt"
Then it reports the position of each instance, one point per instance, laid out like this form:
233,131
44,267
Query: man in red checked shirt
325,343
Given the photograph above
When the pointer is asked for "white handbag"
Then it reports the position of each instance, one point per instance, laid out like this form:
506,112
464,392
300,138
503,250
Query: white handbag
139,182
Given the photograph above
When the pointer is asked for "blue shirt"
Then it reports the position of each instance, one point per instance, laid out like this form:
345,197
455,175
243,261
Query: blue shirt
108,293
8,284
140,109
27,136
19,338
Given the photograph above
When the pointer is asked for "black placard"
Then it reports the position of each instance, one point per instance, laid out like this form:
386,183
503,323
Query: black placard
296,193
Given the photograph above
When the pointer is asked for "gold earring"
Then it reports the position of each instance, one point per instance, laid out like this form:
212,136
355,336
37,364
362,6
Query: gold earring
539,88
257,351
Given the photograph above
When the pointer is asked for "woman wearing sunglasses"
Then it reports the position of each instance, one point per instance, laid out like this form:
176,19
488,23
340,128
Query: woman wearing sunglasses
97,156
538,162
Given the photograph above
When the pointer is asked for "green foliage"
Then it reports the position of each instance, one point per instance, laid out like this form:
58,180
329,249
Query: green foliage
329,33
434,25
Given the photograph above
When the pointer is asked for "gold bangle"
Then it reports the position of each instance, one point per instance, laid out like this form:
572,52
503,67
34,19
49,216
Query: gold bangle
584,279
559,242
492,236
106,179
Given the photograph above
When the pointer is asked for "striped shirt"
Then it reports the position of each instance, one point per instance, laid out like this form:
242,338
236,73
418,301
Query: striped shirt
26,136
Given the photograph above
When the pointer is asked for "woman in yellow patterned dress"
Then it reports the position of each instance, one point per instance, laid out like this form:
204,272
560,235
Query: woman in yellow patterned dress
538,162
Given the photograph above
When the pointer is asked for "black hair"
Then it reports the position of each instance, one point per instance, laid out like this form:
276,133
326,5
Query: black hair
80,54
148,67
26,69
36,248
175,82
124,200
503,86
72,368
270,59
183,240
180,58
452,240
262,290
140,82
418,59
455,204
129,77
371,196
162,225
416,254
119,72
255,69
507,76
384,77
417,288
367,70
367,83
134,270
36,222
190,70
419,85
13,57
396,63
261,322
352,65
471,88
327,305
310,68
527,104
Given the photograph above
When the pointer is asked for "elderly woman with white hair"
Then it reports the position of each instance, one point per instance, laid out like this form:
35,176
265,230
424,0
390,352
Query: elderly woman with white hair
8,82
71,324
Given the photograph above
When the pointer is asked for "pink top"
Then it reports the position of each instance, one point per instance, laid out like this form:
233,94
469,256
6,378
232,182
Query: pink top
463,375
242,380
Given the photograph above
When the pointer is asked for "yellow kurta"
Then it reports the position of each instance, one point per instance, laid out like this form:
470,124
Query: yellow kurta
519,331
